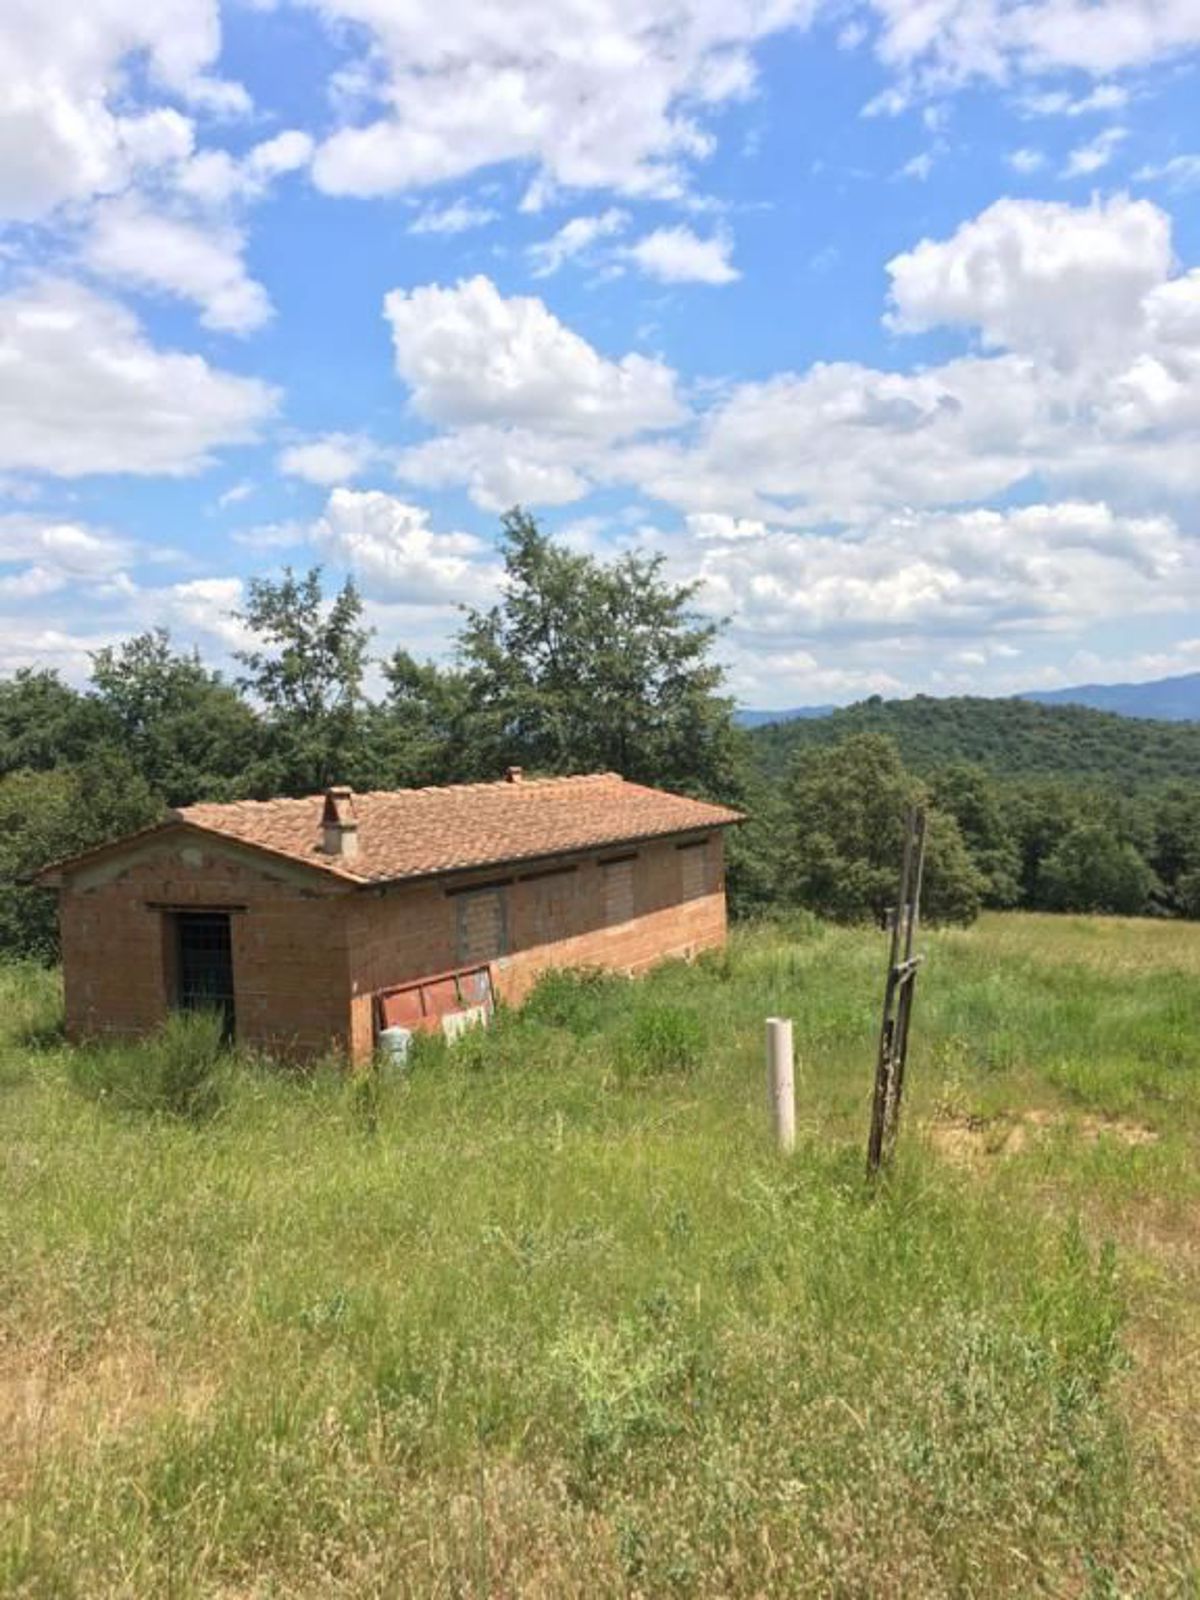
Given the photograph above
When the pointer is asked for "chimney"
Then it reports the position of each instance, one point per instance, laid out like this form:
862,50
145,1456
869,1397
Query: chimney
513,774
339,825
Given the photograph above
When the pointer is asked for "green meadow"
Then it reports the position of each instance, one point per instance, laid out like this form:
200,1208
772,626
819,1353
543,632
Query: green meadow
546,1315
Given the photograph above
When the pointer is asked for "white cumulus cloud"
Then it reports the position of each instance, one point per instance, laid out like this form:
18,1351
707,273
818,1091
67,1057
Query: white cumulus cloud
677,255
1037,275
1088,158
67,130
473,356
1035,568
574,238
83,390
597,95
132,244
945,43
333,458
396,553
50,554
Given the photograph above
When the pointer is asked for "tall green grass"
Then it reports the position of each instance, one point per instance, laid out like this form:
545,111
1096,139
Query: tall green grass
546,1315
179,1072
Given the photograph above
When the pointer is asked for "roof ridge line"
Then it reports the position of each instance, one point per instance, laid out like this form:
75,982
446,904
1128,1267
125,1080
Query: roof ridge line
474,787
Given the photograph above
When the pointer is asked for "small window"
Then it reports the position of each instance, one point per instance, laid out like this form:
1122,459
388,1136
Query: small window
482,926
618,891
693,861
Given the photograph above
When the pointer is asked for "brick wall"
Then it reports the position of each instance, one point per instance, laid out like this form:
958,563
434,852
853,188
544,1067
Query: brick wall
308,957
657,902
291,987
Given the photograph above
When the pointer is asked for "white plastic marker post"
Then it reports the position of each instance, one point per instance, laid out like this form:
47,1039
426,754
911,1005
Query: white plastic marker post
781,1088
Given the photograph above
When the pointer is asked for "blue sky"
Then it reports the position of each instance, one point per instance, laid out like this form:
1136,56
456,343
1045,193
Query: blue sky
879,320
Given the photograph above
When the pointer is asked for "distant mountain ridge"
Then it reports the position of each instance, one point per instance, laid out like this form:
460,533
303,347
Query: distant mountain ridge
1165,699
761,719
1174,699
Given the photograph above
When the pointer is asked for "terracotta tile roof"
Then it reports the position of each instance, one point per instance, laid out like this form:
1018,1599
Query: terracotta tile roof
409,833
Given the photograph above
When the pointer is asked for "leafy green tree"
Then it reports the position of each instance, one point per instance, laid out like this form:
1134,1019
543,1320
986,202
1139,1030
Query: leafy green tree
584,664
969,794
425,728
190,734
306,673
45,723
45,816
1091,869
1038,813
847,806
1187,893
752,850
1175,851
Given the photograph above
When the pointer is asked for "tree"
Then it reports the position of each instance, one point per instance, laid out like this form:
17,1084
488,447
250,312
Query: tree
424,733
1038,814
1175,851
585,664
752,850
969,794
45,816
307,674
1187,893
1090,869
45,723
189,734
847,806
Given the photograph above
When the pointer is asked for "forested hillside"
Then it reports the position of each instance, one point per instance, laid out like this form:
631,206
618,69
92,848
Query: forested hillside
1012,738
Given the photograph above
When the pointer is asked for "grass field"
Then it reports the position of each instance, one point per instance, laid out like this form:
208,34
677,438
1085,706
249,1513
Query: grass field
548,1316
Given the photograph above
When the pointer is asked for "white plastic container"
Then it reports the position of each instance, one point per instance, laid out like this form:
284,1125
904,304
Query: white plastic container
394,1044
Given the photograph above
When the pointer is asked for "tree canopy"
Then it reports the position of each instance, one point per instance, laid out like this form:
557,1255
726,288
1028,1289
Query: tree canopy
846,807
305,669
582,664
585,665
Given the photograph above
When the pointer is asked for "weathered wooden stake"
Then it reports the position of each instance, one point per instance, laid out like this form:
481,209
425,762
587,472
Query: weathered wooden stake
892,1056
781,1086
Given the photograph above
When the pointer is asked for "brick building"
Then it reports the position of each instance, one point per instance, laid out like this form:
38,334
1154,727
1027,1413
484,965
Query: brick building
313,922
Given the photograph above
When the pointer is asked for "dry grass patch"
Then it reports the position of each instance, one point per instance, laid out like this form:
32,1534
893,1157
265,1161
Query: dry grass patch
971,1140
50,1404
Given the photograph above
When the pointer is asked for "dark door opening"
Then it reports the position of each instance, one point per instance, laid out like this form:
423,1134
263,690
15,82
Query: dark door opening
204,964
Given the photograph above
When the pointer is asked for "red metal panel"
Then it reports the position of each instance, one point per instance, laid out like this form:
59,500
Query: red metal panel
423,1003
401,1008
441,996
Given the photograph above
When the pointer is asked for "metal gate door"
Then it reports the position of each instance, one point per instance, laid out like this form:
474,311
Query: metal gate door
205,964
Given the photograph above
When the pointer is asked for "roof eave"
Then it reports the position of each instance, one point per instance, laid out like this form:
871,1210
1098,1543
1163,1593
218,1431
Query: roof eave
491,863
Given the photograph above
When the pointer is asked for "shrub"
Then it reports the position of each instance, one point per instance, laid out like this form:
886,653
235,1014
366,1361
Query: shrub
660,1040
176,1072
580,999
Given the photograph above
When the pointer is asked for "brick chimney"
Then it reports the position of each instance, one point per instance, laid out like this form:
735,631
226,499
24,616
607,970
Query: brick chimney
339,825
514,774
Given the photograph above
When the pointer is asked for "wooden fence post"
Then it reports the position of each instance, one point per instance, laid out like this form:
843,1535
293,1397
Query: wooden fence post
781,1089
